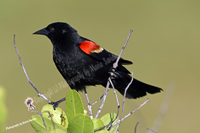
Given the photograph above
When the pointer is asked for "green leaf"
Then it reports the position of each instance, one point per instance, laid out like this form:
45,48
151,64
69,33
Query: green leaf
39,127
97,124
107,118
102,131
81,124
74,104
3,113
58,115
58,131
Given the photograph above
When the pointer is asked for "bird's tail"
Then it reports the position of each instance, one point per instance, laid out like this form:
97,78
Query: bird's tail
137,88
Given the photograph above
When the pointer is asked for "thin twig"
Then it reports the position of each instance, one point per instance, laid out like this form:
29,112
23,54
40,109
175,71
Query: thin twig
109,123
136,127
131,112
116,63
118,107
108,83
100,99
103,100
151,130
113,120
89,105
44,120
115,93
97,101
123,104
164,107
39,93
54,126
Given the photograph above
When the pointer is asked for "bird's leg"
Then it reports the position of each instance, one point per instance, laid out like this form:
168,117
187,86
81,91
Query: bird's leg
55,104
89,105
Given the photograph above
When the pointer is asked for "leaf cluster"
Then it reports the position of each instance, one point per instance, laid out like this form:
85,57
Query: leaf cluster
74,120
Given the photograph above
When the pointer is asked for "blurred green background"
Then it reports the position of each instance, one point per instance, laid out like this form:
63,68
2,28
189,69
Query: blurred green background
164,48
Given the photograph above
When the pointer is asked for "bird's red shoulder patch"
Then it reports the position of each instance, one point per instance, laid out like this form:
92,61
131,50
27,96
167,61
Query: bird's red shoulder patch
90,47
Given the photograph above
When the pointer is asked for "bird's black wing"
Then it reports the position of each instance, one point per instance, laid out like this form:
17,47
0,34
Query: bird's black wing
98,53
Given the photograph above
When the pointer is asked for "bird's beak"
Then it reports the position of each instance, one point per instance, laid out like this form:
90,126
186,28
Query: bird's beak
42,32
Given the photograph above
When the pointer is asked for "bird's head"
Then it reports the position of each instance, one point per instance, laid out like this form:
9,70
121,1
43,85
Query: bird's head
59,32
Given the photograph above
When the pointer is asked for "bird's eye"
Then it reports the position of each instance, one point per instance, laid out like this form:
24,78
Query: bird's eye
52,29
64,30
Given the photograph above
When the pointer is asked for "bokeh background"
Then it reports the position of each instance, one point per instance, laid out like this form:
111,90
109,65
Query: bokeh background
164,48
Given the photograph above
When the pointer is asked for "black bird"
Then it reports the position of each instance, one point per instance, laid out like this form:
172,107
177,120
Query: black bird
82,62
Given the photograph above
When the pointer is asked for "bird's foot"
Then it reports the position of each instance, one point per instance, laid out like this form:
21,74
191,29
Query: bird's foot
113,73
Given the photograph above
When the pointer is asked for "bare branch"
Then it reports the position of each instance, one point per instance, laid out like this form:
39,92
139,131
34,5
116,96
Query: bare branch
39,93
108,83
97,101
164,107
118,106
125,94
103,100
123,104
114,92
131,112
116,63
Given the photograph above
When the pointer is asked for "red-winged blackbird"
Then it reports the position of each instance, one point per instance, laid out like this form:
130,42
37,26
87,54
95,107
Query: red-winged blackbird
82,62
